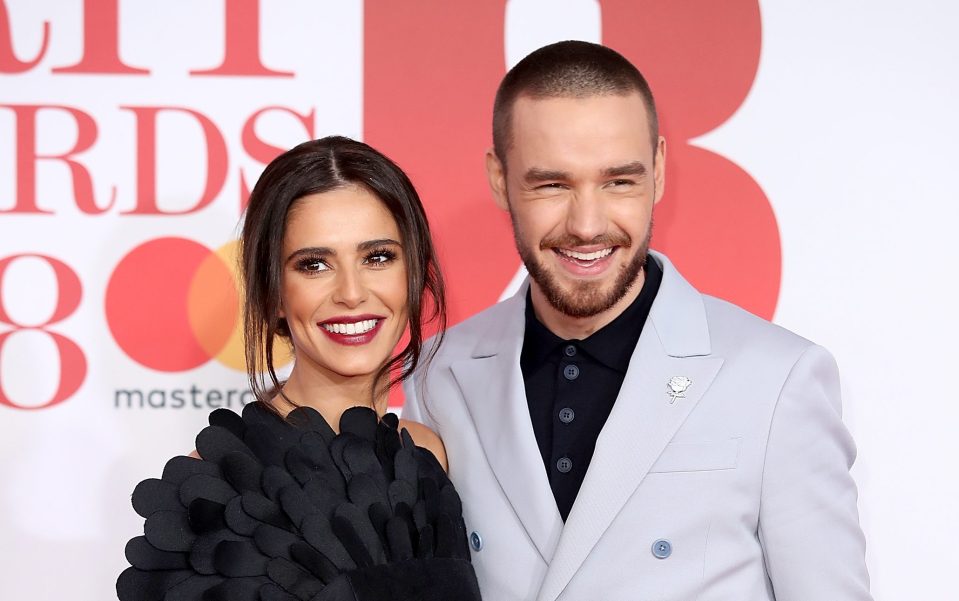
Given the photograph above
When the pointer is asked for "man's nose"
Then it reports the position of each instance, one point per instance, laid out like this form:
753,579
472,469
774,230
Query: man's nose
586,217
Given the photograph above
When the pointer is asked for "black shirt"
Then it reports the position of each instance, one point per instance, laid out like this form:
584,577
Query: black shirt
571,386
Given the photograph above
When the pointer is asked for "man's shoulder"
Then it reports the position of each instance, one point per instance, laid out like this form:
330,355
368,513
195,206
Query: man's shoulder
732,327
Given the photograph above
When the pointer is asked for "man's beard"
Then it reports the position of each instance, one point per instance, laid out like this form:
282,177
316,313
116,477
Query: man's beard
584,299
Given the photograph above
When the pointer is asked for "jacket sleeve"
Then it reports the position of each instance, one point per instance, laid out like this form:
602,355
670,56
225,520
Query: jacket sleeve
809,522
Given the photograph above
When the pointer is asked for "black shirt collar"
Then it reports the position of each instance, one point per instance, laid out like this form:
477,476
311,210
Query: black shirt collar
613,344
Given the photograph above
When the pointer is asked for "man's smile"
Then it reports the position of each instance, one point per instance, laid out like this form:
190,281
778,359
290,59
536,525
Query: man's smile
585,263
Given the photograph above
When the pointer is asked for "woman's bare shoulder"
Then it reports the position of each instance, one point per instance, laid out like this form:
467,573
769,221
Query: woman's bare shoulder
426,438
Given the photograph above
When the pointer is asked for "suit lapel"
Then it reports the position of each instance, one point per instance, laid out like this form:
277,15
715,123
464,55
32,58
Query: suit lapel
674,342
492,385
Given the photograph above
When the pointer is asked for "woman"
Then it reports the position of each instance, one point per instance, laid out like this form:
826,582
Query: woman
337,259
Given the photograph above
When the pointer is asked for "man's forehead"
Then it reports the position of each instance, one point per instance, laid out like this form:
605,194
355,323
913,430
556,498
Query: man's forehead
554,119
528,102
609,130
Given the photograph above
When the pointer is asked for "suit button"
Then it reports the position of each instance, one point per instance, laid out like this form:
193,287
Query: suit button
571,372
566,415
476,541
564,465
570,350
662,548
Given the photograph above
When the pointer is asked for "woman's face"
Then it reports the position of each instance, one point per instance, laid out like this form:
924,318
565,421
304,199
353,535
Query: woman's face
344,285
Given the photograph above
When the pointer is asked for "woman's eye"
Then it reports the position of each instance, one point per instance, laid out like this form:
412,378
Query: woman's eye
380,257
313,265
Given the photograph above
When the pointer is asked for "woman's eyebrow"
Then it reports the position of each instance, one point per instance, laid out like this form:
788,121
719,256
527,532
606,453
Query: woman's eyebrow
371,244
312,251
325,251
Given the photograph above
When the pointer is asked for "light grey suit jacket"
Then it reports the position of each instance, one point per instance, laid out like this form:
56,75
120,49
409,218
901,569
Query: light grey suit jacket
746,474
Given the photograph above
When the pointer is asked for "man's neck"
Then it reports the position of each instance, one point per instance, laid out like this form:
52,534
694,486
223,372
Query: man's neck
578,328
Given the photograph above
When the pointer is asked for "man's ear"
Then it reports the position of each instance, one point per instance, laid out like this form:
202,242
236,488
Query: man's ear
659,169
496,174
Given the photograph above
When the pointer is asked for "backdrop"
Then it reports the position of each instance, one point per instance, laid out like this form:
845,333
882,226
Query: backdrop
810,178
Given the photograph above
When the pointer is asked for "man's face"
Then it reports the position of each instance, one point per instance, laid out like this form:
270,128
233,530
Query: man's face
580,181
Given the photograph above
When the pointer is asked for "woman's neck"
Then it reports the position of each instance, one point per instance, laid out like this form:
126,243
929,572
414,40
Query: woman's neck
331,396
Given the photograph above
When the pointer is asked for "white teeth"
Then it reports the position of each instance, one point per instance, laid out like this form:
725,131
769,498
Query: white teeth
351,329
599,254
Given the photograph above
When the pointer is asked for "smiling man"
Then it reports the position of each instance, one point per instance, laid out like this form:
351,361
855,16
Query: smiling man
615,434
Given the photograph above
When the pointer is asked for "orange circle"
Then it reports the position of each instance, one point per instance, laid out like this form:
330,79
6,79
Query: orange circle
215,302
213,305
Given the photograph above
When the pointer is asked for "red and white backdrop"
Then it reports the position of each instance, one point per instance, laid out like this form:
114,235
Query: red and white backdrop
812,152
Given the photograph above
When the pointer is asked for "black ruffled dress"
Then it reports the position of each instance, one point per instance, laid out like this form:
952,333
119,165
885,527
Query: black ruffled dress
286,510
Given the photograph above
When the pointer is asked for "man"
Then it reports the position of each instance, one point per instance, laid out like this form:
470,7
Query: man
613,433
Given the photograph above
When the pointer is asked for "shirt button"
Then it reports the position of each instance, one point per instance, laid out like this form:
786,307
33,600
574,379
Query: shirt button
662,549
564,465
566,415
570,350
476,541
571,372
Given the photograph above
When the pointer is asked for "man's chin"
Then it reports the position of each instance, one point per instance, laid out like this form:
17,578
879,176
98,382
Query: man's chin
584,297
581,299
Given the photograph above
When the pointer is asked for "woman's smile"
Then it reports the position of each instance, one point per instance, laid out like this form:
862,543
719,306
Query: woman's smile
352,329
344,286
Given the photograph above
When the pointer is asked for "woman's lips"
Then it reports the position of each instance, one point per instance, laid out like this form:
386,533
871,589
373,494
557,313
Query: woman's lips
352,331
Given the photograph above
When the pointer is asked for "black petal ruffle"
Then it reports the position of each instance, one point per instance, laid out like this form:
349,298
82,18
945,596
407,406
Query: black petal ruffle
287,510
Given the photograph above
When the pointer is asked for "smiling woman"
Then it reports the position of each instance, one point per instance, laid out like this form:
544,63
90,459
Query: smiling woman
337,218
316,492
343,294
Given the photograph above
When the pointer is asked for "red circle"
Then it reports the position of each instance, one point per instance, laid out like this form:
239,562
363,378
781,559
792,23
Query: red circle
147,304
719,230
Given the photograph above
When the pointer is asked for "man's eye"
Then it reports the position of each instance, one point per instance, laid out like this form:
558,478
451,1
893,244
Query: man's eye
621,182
551,186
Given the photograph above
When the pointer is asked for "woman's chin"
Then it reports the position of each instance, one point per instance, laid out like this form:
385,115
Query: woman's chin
342,368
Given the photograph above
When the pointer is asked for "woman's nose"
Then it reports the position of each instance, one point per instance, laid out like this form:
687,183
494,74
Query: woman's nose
350,289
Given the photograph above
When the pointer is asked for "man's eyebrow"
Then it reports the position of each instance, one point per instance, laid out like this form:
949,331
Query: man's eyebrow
313,251
371,244
536,174
635,168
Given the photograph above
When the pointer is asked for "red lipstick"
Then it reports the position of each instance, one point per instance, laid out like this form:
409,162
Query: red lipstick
352,330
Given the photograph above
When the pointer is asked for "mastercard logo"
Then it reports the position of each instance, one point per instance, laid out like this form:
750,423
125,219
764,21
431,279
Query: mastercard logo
173,304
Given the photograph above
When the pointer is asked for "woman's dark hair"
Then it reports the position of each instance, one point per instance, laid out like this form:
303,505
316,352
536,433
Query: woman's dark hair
315,167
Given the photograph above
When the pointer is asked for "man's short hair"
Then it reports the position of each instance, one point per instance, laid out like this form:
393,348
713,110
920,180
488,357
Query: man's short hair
570,69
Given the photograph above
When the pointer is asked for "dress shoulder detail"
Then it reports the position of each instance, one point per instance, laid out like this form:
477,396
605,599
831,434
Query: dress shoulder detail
288,510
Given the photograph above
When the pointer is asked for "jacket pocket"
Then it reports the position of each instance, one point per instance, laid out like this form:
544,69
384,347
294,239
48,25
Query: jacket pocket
698,456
